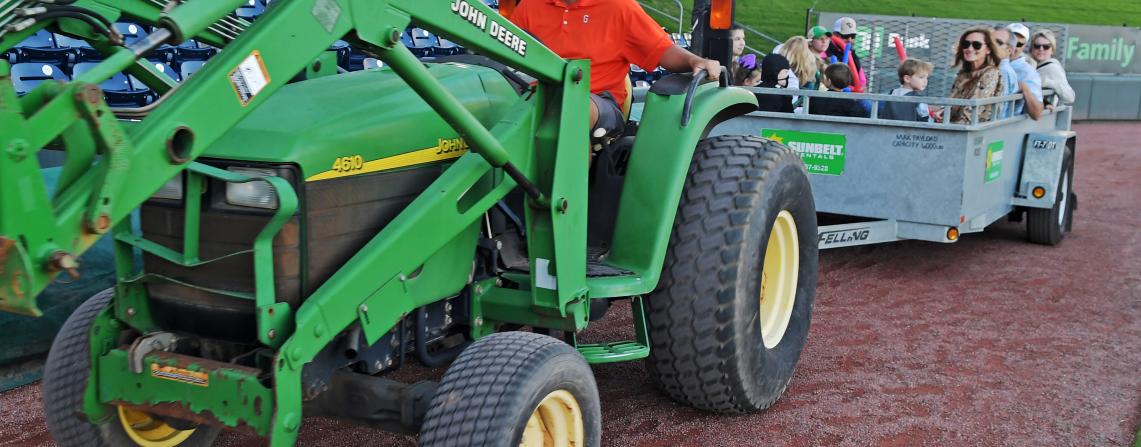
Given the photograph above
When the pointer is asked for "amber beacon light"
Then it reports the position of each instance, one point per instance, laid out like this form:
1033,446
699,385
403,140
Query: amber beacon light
720,14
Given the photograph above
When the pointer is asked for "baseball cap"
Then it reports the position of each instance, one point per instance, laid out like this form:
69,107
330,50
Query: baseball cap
1019,29
817,32
844,25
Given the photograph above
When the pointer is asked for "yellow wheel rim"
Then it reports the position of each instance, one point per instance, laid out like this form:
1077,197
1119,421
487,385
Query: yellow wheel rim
778,279
147,431
557,421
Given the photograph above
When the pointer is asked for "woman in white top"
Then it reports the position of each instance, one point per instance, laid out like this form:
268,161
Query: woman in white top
1042,46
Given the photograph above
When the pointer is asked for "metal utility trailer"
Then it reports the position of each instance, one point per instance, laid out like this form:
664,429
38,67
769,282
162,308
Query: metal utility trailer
887,180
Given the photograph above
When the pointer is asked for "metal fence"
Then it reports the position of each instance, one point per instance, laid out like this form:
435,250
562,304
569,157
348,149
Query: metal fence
665,10
929,39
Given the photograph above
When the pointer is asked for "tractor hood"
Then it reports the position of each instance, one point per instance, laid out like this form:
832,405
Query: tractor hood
365,121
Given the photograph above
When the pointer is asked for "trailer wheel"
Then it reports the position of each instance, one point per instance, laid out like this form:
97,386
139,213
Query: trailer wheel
65,381
515,388
1048,226
730,316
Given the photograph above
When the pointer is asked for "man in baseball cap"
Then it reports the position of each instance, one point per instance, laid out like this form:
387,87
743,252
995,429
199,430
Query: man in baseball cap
845,29
1021,35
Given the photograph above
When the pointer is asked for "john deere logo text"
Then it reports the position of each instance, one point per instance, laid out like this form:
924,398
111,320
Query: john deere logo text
449,145
480,20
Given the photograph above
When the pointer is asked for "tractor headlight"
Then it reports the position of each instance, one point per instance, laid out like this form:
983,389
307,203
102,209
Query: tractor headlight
256,194
172,190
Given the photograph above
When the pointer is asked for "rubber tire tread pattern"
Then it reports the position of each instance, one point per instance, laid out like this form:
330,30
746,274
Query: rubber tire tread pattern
500,378
65,376
696,355
1042,223
65,382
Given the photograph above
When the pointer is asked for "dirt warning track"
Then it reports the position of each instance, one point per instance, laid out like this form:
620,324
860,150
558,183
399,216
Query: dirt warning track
987,341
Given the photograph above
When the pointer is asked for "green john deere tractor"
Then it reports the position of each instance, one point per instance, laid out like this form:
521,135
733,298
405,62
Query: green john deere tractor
301,233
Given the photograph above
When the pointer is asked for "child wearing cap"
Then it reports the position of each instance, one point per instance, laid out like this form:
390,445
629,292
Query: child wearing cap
818,39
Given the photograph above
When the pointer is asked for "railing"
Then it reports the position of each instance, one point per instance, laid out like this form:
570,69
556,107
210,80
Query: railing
946,103
681,28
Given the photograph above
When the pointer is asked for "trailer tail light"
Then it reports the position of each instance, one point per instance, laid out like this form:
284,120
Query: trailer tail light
721,14
1038,192
953,234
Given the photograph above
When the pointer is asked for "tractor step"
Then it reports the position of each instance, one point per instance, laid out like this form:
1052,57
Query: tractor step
619,351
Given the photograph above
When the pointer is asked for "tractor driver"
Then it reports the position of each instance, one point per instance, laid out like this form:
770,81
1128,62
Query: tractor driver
612,34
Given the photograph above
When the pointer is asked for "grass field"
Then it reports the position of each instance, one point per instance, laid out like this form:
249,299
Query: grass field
785,18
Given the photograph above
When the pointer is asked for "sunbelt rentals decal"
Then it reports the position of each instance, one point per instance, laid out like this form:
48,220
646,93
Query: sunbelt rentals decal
823,153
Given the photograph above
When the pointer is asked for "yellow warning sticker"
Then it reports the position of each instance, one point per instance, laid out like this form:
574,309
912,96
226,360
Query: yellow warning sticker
180,375
249,78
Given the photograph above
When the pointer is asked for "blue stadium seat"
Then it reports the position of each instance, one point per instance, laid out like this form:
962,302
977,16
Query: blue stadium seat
356,60
638,74
343,50
680,40
117,90
193,50
188,68
26,76
42,47
423,42
251,10
447,48
131,32
82,50
493,4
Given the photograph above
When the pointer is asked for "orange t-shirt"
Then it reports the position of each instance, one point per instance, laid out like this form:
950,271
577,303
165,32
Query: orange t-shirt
611,33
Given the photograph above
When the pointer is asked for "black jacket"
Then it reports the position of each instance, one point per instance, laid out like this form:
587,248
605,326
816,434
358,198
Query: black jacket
836,107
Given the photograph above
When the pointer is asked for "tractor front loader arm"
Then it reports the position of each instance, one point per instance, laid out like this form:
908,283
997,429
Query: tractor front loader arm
113,167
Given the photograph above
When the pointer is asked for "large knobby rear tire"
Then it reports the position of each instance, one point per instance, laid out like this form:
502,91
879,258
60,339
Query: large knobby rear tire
508,389
65,381
730,316
1048,226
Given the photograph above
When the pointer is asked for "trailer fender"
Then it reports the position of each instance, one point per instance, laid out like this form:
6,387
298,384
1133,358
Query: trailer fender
658,166
1041,166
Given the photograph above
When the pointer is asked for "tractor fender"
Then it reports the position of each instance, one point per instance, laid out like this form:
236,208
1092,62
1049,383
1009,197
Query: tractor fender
659,163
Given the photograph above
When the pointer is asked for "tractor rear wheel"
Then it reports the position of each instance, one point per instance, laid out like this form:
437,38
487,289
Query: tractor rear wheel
730,316
1048,226
515,388
65,381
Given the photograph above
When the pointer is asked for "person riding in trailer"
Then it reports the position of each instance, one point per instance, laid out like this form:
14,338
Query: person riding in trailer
612,34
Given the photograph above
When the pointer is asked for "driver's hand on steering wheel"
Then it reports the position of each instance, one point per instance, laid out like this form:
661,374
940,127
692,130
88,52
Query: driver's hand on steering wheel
712,68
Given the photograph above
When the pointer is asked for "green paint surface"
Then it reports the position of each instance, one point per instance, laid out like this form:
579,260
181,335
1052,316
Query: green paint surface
993,162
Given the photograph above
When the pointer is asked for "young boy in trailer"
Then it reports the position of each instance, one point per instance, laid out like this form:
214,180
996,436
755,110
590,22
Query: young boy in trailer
837,77
913,75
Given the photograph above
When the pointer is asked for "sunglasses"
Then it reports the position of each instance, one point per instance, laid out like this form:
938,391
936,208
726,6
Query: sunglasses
1020,44
971,44
1042,47
848,36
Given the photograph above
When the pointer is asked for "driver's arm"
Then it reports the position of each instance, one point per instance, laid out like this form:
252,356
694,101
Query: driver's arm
677,60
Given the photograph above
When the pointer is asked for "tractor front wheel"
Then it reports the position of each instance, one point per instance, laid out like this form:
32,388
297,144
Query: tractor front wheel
731,314
65,381
515,389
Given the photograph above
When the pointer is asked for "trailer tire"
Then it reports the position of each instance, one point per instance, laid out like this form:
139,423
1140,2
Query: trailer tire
707,330
490,395
1048,226
65,382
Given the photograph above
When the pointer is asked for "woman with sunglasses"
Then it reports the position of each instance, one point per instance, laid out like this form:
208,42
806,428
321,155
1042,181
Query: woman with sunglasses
977,57
1042,45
